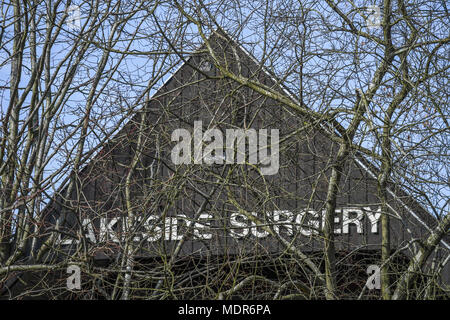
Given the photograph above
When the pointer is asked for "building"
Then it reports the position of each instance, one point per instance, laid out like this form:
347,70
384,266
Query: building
197,221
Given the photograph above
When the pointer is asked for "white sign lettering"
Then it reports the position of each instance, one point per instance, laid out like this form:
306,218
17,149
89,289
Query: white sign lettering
306,222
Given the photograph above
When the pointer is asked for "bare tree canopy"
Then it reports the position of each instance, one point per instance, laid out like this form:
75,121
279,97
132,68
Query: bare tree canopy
224,149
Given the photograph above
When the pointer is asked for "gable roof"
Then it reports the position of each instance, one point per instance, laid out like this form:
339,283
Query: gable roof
411,206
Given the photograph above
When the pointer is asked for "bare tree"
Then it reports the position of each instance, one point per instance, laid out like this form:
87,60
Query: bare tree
88,130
